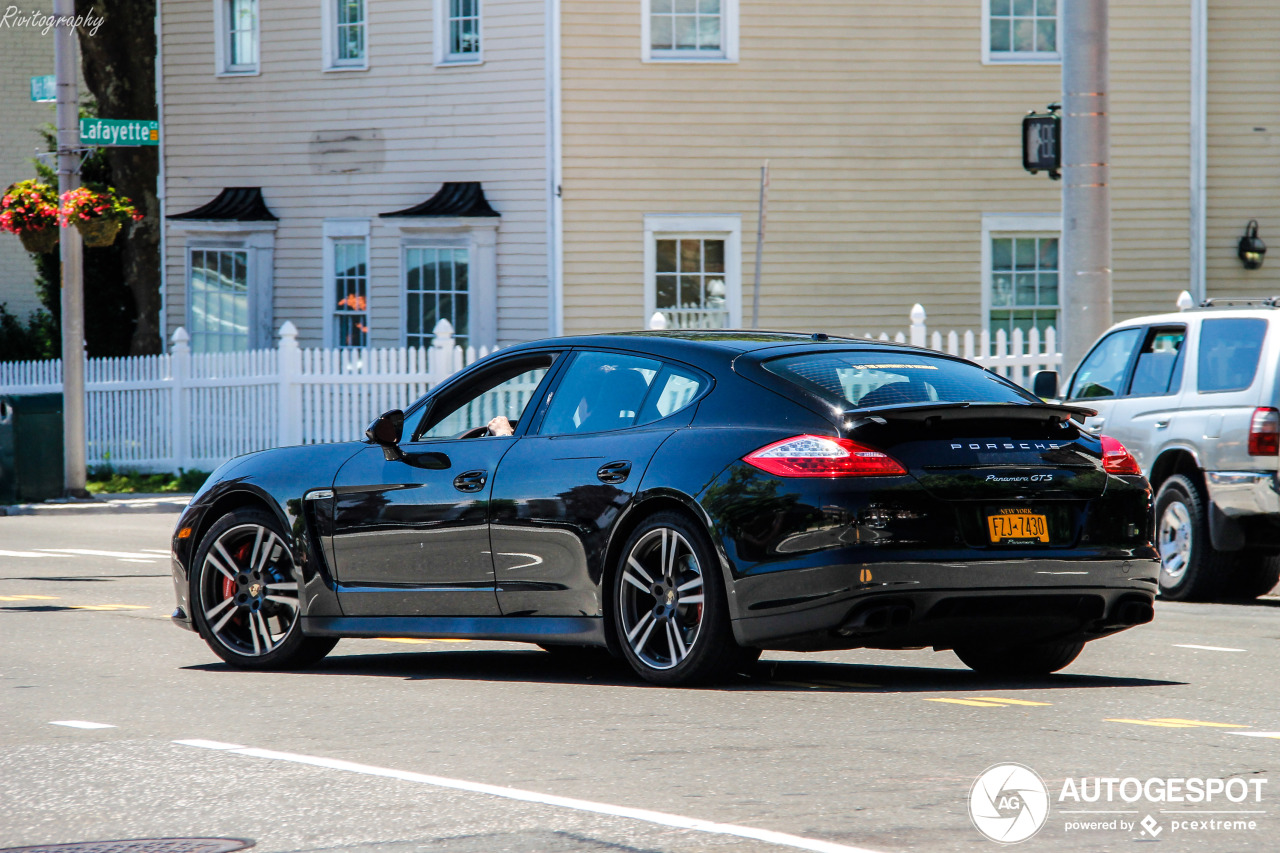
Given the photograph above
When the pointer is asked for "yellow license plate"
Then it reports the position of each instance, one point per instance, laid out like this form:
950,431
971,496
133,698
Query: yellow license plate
1018,526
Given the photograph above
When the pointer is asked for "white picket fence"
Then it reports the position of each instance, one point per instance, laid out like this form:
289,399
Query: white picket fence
196,410
1016,357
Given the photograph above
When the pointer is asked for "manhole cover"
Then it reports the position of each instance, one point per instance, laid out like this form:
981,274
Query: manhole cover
140,845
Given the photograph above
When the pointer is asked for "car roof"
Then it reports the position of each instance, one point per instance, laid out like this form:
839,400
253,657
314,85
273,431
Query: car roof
728,343
1254,310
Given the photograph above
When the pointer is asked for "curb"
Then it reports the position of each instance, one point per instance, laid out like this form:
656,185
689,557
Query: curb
106,504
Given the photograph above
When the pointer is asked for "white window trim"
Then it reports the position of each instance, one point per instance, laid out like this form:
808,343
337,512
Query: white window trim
442,56
715,226
728,38
329,40
344,229
259,238
1014,224
479,235
221,45
1017,57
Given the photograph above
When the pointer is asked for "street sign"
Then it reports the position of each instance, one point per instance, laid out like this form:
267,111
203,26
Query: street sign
44,89
118,132
1042,143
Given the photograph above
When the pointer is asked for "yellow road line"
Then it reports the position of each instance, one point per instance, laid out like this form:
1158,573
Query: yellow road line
1198,723
28,598
974,702
1009,701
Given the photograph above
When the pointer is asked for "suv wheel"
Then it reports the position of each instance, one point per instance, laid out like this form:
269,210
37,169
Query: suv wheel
1190,569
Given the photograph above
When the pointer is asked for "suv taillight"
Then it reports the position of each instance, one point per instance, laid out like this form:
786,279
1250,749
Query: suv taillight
818,456
1264,433
1116,459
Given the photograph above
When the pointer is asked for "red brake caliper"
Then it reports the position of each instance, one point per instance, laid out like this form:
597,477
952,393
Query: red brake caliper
228,585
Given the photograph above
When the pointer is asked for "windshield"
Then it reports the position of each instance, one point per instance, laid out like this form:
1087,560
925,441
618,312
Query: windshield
871,379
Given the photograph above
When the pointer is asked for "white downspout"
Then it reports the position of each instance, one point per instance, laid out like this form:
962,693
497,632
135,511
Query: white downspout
555,175
1199,143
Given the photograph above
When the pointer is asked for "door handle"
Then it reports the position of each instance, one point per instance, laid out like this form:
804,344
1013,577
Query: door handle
1163,423
1094,425
614,472
470,481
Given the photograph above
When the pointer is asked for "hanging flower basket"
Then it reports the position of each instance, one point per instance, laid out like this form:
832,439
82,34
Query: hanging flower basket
99,214
39,242
98,232
30,210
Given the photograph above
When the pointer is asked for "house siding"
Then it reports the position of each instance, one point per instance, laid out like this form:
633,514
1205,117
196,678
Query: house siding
471,123
1243,136
888,140
25,52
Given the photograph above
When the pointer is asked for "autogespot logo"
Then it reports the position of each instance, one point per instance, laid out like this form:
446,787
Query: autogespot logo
1009,803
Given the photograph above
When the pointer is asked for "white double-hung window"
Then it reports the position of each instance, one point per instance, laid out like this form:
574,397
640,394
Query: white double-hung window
237,36
346,35
1021,31
458,33
690,30
1020,272
693,270
346,265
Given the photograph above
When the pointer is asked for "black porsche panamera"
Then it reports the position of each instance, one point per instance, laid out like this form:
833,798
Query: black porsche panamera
685,500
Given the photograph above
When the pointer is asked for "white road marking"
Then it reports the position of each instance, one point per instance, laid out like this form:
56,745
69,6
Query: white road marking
81,724
164,552
1275,735
1208,648
781,839
89,552
23,554
131,560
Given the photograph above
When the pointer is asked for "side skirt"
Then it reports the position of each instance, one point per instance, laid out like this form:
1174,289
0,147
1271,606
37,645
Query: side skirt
574,630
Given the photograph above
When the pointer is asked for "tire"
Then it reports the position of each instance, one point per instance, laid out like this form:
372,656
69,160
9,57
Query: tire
244,595
669,611
1190,569
1025,660
1254,575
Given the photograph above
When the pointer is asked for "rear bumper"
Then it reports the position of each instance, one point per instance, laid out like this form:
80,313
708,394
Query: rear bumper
1057,600
1240,493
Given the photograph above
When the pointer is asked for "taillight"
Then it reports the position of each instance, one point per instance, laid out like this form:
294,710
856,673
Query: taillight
1116,459
817,456
1264,433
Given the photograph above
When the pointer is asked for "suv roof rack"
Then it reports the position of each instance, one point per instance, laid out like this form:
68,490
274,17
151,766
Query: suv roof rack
1223,301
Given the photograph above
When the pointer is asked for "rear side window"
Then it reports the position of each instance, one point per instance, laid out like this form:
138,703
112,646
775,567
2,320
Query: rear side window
600,392
1229,351
870,379
1159,368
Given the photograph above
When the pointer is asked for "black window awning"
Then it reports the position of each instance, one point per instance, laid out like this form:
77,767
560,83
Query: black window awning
233,204
455,198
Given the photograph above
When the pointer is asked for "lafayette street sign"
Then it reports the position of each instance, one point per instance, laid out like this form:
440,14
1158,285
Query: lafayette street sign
115,132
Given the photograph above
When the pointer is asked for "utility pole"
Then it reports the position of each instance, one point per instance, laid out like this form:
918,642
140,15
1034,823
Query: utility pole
73,364
1085,256
760,223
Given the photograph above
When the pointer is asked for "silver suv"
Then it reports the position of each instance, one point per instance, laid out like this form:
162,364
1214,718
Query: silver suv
1194,396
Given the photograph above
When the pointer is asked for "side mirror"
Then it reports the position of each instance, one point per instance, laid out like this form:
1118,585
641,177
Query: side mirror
386,431
1045,384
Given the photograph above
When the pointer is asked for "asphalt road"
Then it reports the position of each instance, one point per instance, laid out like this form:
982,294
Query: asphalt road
464,747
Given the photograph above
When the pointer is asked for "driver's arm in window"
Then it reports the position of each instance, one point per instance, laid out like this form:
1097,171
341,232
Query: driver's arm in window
500,426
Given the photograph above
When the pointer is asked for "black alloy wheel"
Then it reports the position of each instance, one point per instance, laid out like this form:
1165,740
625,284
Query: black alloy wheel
670,616
244,595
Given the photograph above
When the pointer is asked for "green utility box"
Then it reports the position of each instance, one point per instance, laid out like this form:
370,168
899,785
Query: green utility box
30,448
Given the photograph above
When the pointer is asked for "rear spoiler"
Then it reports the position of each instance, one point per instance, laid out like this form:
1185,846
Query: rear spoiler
925,412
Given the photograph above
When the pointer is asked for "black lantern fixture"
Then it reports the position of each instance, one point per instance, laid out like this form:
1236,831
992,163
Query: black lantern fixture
1251,249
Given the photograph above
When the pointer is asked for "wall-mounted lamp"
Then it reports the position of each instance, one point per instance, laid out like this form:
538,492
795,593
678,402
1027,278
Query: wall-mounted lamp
1251,248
